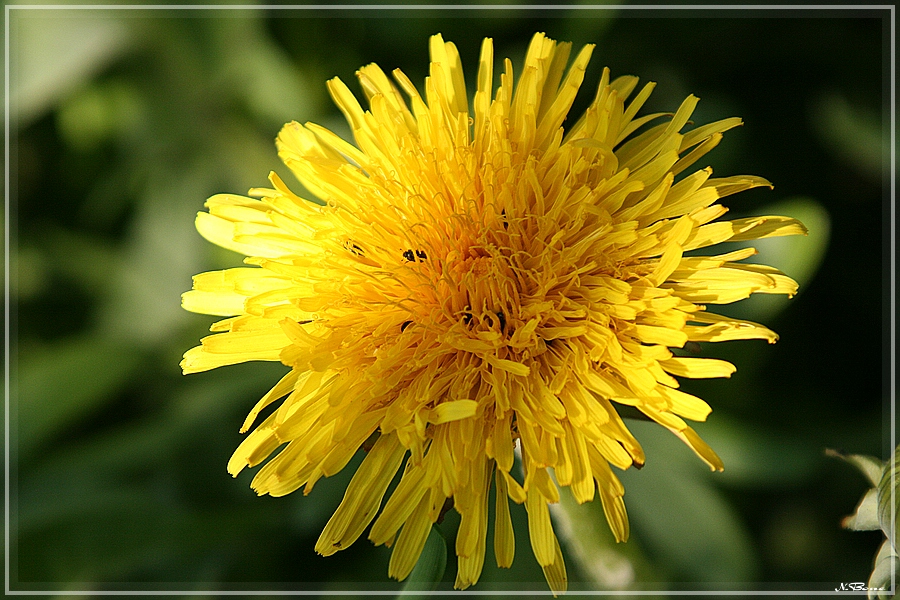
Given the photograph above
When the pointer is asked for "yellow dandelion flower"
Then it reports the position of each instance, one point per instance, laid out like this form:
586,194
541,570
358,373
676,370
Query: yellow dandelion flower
472,286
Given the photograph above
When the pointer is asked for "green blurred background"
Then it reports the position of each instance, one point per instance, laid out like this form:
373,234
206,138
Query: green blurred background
124,122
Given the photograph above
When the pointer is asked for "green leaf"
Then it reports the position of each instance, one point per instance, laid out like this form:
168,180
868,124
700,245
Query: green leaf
429,569
584,532
865,518
681,516
869,466
889,498
878,509
758,457
887,566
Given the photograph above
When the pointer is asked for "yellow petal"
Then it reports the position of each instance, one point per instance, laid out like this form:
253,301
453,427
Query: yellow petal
701,448
504,537
755,228
516,368
223,304
363,496
453,411
698,368
412,539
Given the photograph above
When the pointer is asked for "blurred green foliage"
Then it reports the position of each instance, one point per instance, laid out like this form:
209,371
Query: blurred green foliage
124,122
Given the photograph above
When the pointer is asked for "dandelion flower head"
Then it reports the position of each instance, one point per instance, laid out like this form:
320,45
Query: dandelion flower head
469,287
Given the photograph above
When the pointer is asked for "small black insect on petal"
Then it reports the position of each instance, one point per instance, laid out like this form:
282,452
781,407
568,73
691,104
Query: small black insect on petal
354,248
502,318
411,256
